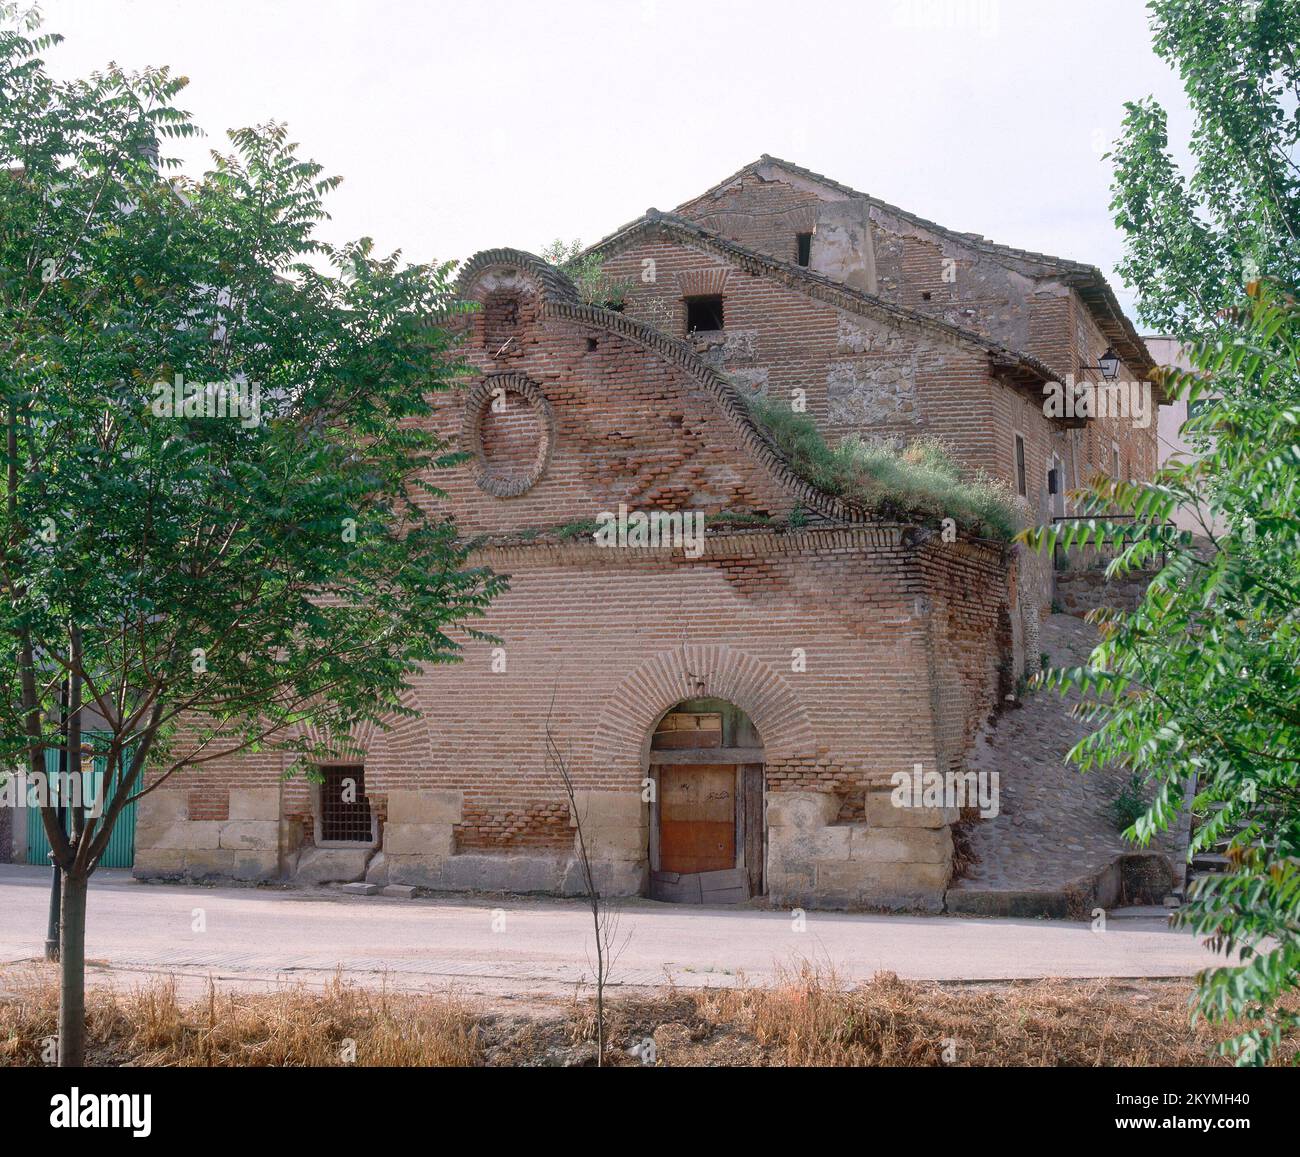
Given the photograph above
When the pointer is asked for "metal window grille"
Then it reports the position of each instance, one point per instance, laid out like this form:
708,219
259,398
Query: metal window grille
344,808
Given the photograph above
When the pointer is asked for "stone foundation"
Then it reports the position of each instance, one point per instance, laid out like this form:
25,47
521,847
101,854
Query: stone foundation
900,858
1081,591
170,845
419,848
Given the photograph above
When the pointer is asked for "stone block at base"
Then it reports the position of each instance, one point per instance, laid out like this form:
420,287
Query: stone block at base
815,862
254,803
250,835
424,806
434,840
331,865
205,864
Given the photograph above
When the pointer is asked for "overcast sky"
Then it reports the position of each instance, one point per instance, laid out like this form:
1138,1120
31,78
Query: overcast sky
465,126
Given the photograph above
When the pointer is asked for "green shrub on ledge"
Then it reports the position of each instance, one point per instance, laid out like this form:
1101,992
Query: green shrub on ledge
920,482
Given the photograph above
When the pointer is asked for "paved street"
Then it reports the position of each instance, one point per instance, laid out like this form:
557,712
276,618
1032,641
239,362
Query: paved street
259,937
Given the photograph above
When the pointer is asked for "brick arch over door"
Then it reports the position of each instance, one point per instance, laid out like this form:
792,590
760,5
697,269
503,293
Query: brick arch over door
629,714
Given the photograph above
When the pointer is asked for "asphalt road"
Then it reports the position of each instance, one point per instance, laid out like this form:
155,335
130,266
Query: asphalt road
263,936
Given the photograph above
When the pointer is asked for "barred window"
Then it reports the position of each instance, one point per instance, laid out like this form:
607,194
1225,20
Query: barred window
344,808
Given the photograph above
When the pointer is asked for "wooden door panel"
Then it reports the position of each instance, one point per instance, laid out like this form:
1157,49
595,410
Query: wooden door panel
697,818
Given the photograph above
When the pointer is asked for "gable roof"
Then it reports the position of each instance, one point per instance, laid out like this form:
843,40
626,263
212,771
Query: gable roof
1088,280
798,277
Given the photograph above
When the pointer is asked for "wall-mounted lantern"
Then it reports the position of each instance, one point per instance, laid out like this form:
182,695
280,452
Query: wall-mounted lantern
1108,363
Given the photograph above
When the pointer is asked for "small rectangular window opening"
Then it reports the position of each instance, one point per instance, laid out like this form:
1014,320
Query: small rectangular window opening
344,808
703,313
1020,466
803,248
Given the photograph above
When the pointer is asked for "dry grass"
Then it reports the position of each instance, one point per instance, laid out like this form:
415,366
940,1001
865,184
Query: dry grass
811,1019
808,1018
296,1026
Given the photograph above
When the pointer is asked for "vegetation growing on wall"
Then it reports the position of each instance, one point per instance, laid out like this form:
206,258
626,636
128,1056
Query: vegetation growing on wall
921,481
587,272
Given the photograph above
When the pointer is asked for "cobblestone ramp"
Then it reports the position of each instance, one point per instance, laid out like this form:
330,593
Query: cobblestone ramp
1053,849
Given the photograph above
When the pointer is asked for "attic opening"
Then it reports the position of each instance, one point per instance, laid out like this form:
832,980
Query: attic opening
803,248
703,313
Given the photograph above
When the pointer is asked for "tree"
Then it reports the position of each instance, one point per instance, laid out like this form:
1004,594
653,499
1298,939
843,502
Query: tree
1193,242
220,524
604,917
1201,684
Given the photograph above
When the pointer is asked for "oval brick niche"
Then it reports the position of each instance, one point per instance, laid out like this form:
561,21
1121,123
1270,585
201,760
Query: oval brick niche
510,430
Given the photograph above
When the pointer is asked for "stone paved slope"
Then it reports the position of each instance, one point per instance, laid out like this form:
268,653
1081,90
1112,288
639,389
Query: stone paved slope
1054,828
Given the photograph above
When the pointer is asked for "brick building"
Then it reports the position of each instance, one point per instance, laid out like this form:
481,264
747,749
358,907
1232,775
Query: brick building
731,709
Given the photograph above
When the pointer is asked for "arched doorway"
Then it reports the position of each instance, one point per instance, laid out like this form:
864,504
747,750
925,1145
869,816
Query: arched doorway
707,830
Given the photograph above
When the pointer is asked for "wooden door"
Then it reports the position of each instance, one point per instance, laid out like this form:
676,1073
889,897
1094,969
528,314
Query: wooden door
697,818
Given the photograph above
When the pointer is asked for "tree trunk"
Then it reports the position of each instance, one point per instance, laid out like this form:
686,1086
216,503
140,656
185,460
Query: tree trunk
72,973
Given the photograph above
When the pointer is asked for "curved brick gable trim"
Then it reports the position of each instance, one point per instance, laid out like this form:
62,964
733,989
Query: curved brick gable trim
560,301
551,283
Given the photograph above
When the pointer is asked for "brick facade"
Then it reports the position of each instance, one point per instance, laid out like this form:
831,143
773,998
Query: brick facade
854,648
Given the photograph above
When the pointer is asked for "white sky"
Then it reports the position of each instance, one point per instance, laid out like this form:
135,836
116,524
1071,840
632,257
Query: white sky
461,126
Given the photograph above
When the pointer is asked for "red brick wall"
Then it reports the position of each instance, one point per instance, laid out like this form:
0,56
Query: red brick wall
901,649
859,374
856,652
1005,297
764,216
629,426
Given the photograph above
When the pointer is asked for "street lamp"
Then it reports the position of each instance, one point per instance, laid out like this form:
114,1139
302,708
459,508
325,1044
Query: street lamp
1108,363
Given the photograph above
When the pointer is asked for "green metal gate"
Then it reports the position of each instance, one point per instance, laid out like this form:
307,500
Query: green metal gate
120,852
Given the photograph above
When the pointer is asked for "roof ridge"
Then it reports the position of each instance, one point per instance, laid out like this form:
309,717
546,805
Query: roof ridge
976,238
978,241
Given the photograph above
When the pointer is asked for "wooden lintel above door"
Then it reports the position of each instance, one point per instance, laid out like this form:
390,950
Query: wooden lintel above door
709,755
